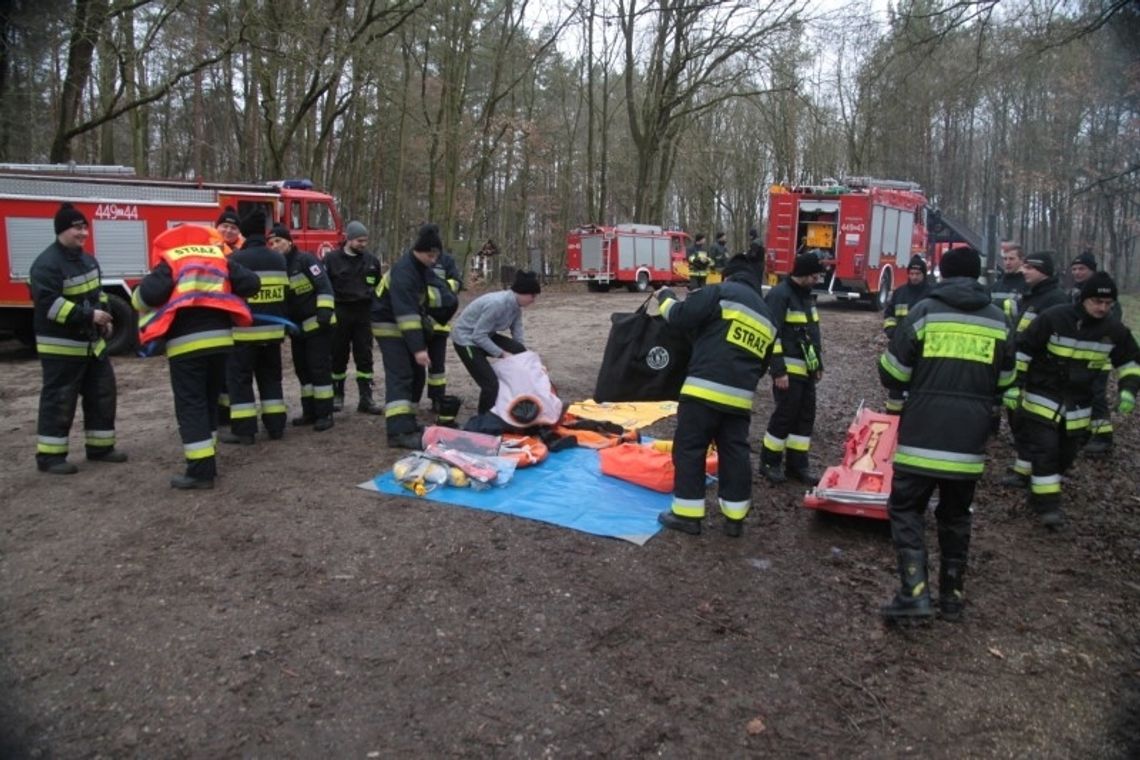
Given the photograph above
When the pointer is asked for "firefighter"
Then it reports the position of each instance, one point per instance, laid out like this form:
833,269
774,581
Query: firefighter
1100,429
72,321
719,251
951,354
192,299
1043,291
478,332
257,348
399,312
1065,349
354,273
756,253
699,263
445,406
228,225
917,288
1009,286
733,335
310,305
797,365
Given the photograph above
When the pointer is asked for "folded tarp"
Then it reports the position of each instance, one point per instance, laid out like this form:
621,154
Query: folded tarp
568,489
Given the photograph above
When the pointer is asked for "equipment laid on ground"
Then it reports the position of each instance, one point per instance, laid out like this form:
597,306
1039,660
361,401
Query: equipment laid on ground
861,484
638,256
125,214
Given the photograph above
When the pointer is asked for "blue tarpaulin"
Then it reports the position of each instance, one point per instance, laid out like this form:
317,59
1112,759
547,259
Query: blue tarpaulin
568,489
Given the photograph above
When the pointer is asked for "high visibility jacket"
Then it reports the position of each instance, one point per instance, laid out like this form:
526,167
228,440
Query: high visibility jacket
309,290
1006,292
901,301
270,267
799,349
952,353
66,289
699,261
193,296
733,338
447,272
1064,350
1037,299
405,294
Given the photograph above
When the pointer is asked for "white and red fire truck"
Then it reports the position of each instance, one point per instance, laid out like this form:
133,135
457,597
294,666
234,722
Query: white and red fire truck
638,256
865,230
125,214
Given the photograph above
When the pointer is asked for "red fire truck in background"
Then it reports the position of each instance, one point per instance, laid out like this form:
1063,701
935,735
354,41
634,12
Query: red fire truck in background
865,231
125,214
638,256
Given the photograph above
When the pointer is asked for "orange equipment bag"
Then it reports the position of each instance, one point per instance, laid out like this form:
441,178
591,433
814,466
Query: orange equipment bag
645,466
526,450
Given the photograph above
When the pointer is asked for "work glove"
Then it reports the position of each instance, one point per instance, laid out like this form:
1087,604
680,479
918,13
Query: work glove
1011,397
1127,402
324,317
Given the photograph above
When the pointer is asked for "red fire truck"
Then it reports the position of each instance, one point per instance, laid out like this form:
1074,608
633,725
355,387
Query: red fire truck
638,256
125,213
865,231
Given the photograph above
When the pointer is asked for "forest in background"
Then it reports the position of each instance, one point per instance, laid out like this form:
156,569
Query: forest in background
516,120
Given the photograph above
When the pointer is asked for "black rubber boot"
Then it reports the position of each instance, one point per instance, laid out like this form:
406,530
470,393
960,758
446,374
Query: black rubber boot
805,475
323,423
912,600
772,471
1099,445
690,525
307,417
367,405
338,395
188,483
447,409
951,589
733,528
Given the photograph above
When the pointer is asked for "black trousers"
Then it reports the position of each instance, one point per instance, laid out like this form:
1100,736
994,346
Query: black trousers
260,361
477,362
64,381
437,373
196,380
352,332
1050,451
1101,416
791,424
312,363
910,494
698,425
403,385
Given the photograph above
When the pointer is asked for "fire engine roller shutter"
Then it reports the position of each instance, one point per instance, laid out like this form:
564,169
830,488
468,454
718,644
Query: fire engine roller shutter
120,246
27,238
816,206
662,257
592,252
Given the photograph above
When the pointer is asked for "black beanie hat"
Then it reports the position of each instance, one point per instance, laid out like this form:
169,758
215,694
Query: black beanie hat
743,268
1099,285
280,231
1085,259
807,264
961,262
917,263
526,283
253,223
427,239
1042,261
67,216
229,215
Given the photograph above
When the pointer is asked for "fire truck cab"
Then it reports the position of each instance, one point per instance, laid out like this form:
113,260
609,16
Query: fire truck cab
638,256
125,214
863,230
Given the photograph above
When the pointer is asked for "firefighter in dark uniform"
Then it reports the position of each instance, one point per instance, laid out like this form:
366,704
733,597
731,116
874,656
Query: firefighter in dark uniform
917,288
1009,286
733,336
405,294
797,365
1100,429
756,252
1043,291
71,321
445,406
699,263
228,226
1065,349
719,251
191,300
257,347
952,353
310,306
354,273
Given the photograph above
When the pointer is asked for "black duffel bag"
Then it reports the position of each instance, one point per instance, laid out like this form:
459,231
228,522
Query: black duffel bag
646,359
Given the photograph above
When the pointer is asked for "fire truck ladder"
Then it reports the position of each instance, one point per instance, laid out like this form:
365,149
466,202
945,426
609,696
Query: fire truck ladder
892,184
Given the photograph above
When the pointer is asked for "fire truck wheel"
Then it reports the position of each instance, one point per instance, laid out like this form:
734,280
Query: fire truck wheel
126,327
597,287
643,282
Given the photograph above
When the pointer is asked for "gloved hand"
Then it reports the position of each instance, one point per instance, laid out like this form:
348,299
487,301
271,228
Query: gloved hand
324,317
1011,398
1127,402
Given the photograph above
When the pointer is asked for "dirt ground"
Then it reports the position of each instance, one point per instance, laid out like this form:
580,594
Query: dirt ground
289,614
